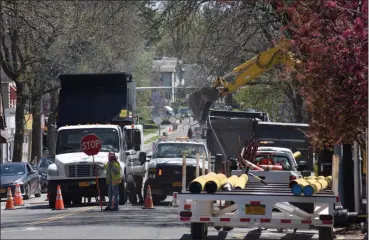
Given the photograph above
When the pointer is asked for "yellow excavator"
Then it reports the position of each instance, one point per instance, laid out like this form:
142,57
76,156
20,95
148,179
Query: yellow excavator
201,101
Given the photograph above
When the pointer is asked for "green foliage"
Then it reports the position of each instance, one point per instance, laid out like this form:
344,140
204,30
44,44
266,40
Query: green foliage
261,97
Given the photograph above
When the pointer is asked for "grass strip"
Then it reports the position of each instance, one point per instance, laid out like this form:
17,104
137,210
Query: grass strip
151,139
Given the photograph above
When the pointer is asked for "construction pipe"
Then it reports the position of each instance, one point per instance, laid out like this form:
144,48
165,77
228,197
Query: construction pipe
241,182
297,186
297,154
271,167
228,184
252,166
214,183
314,187
198,184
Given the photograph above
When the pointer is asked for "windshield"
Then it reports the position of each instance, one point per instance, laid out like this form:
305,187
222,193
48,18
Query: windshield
69,140
276,159
132,137
12,169
175,150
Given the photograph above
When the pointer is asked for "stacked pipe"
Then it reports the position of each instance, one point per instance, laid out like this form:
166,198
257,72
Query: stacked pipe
309,185
212,182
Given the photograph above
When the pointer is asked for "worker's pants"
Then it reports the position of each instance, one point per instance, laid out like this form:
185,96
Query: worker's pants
113,191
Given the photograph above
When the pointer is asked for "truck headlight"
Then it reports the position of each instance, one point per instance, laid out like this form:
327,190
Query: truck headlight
53,173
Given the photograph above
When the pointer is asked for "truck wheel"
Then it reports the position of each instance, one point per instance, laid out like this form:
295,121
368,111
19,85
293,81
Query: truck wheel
326,233
77,200
199,231
122,193
52,199
156,199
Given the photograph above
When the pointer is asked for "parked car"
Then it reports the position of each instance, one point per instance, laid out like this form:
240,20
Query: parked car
21,173
42,167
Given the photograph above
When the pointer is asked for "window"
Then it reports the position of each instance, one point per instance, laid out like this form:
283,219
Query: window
276,159
69,140
12,169
132,137
176,150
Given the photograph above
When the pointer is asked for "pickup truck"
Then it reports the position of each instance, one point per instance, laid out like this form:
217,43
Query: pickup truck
165,167
279,156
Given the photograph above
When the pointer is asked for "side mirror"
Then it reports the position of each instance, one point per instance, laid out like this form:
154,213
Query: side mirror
137,148
148,158
142,158
301,165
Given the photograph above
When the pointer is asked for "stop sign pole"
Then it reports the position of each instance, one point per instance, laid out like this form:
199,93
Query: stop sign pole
91,145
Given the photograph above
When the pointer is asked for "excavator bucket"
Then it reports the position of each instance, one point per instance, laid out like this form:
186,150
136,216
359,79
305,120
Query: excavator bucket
200,102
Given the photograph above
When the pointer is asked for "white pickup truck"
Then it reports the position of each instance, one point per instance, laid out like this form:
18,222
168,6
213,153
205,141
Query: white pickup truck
165,167
277,156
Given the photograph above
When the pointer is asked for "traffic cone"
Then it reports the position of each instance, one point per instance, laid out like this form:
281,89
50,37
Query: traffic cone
148,199
18,199
9,201
59,204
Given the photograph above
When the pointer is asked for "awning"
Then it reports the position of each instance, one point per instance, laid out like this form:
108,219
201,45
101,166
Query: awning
5,137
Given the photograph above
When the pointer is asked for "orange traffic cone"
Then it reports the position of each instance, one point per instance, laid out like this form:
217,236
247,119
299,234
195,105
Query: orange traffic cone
18,199
59,204
148,199
9,201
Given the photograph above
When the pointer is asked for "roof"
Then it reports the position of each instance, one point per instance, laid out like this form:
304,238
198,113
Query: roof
14,163
184,142
89,126
274,149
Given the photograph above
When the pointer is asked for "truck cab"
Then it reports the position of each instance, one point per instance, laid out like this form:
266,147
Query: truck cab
74,171
165,167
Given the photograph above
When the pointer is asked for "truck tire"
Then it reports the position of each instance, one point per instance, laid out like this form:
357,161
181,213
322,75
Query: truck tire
52,199
199,231
326,233
122,193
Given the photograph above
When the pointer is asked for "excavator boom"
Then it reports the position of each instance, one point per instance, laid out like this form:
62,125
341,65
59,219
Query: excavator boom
201,101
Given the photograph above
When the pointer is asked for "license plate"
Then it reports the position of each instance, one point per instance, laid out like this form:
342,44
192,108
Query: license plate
177,184
2,190
255,209
84,184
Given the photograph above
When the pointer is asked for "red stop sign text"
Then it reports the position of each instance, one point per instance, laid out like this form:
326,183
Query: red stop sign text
91,144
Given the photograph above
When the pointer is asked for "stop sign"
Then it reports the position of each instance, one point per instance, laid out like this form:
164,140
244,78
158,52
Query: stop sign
91,144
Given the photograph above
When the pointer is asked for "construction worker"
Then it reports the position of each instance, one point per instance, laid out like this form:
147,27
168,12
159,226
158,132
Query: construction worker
190,132
113,180
138,182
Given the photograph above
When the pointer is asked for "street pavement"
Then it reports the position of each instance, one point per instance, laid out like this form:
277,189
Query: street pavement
36,221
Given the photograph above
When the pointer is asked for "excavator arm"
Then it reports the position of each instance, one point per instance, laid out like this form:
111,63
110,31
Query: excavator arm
200,101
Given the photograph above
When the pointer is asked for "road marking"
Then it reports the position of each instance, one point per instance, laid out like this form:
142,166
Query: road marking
21,229
60,216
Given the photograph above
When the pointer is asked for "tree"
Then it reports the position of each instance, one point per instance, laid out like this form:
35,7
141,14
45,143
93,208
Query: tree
26,28
331,39
40,40
225,34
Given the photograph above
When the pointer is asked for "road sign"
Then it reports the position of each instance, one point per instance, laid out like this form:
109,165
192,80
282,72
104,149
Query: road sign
91,144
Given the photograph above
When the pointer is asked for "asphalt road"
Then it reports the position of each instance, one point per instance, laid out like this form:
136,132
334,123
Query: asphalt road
36,221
